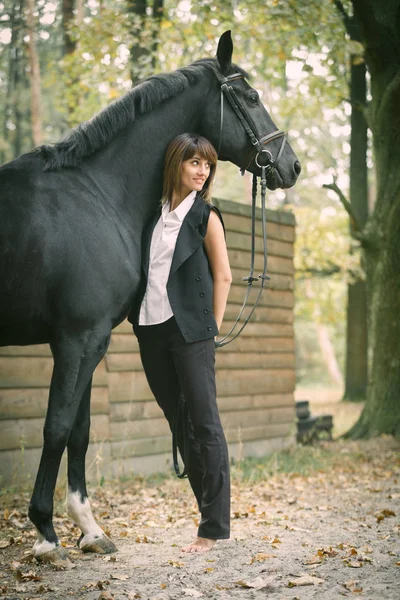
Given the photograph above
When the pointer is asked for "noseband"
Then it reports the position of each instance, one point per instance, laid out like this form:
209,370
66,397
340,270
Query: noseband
260,156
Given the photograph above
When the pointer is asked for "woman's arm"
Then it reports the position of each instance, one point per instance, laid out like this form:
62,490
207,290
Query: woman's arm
217,255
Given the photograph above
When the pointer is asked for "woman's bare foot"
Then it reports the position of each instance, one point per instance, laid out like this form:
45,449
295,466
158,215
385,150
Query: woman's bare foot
200,545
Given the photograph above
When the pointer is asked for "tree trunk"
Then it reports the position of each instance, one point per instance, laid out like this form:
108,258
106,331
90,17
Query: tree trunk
158,12
34,73
356,377
137,9
380,23
357,322
67,18
12,111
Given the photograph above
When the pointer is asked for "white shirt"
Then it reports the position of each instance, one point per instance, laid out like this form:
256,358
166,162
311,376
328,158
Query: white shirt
155,307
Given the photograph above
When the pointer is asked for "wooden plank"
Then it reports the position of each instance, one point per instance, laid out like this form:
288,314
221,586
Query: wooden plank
125,327
125,342
123,361
36,350
275,231
259,432
277,282
141,447
238,403
261,416
33,371
253,344
271,298
259,381
32,402
254,360
130,411
239,259
238,208
127,386
28,433
242,241
125,448
261,329
262,314
139,429
132,386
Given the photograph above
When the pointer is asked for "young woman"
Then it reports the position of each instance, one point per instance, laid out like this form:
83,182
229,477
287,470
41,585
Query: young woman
186,280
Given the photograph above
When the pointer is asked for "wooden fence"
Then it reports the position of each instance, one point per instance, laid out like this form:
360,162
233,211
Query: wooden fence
255,376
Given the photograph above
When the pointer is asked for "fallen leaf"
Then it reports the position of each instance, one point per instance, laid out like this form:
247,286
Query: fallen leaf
4,544
29,576
315,560
305,580
176,563
222,587
382,514
120,577
209,570
353,586
105,596
330,552
354,564
257,584
133,595
276,540
260,557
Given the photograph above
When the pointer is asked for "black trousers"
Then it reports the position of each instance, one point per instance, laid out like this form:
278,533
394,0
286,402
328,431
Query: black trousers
172,366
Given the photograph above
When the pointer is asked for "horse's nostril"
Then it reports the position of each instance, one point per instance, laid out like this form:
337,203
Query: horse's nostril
297,167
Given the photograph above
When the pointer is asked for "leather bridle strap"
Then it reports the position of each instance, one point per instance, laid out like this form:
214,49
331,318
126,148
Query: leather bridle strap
232,334
243,115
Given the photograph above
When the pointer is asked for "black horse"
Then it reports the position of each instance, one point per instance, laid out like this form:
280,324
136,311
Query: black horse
71,218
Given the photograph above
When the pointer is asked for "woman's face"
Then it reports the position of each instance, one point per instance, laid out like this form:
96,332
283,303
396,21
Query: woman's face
195,173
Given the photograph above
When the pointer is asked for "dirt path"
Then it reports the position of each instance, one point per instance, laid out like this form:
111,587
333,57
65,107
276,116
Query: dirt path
335,529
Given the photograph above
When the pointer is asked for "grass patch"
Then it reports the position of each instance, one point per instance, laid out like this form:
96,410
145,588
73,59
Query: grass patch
299,460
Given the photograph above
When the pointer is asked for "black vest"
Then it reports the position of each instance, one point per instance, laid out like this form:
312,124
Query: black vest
190,282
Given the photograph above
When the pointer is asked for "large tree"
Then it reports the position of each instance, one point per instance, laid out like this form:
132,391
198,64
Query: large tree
357,330
380,30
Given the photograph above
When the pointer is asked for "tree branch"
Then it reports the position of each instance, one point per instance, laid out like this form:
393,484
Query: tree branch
355,226
327,272
345,17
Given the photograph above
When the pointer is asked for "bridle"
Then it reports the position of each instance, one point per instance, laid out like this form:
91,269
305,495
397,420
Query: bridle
267,170
227,91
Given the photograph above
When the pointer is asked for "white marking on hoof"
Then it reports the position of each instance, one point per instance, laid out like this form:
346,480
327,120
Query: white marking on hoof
81,513
42,546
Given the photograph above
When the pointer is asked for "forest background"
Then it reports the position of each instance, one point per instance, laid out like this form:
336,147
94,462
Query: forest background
61,62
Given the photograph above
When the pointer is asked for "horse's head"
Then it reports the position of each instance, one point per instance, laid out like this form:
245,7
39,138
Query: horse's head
246,134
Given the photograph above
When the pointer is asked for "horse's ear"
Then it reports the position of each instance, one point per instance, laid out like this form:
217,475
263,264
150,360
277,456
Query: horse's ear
224,52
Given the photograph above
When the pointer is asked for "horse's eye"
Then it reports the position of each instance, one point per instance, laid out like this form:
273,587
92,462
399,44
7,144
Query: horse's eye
252,98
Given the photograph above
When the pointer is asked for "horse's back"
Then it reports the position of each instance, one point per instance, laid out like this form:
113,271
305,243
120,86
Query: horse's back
63,259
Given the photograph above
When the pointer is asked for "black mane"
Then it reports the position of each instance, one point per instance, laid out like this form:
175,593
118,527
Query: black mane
98,131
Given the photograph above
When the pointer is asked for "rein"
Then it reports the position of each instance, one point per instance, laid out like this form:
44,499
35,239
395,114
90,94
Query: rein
260,156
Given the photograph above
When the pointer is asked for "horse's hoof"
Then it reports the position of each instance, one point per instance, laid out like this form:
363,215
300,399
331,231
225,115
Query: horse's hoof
58,556
100,544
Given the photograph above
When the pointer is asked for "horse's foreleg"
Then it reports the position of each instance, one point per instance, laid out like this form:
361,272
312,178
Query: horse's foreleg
74,362
93,538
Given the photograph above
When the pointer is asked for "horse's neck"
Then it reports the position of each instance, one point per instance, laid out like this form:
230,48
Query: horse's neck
133,162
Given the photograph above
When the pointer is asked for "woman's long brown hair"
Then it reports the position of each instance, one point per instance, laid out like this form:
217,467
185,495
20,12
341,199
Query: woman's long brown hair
182,148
